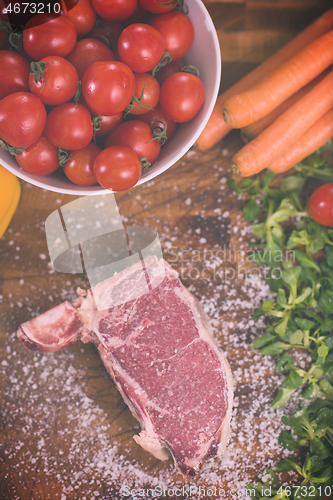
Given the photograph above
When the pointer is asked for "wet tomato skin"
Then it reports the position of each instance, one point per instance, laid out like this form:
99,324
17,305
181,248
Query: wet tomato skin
117,168
320,205
41,158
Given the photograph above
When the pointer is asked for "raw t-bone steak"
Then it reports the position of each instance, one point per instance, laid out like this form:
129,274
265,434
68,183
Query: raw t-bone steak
160,353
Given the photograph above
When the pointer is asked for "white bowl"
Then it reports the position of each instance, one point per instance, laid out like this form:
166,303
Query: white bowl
205,55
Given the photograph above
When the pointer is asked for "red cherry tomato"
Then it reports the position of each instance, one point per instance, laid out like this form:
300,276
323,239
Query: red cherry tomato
155,119
177,31
22,119
169,69
139,16
14,73
138,136
147,90
79,167
117,168
86,52
69,126
47,35
182,96
320,205
58,83
108,87
107,32
41,158
157,7
82,16
141,47
116,10
107,123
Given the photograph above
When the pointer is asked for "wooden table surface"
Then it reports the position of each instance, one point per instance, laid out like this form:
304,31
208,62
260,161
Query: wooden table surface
65,433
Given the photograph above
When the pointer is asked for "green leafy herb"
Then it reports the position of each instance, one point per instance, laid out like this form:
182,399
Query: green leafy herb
297,253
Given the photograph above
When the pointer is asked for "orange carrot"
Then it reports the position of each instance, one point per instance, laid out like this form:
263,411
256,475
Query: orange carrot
286,130
216,127
254,129
314,138
242,109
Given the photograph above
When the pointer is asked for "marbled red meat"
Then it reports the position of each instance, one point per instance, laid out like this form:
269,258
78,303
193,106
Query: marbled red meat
159,351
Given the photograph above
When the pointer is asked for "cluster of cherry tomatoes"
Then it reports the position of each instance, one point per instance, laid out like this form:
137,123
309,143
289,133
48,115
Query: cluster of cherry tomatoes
97,90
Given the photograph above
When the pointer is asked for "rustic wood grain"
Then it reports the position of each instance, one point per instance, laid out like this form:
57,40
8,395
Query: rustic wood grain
194,213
